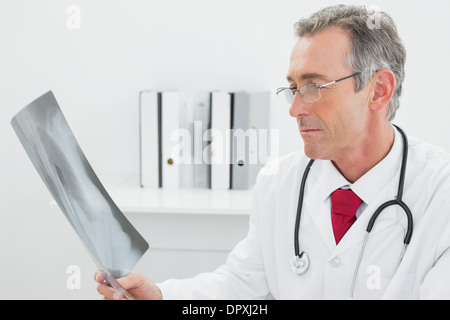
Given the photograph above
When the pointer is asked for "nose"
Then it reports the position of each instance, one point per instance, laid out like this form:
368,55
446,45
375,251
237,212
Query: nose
299,107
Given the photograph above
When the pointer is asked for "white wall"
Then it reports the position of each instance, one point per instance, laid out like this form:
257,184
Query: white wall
126,46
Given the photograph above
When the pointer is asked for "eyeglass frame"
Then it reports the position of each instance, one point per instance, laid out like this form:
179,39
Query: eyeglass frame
279,90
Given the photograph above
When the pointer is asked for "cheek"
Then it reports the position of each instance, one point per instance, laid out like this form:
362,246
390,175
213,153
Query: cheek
329,117
345,108
338,119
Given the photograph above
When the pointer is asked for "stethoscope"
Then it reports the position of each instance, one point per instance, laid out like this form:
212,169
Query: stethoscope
300,262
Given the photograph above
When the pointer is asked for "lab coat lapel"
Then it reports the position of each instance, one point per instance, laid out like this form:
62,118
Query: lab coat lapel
322,221
320,214
324,180
355,235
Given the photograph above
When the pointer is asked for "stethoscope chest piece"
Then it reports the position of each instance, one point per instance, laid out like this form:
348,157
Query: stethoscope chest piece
300,263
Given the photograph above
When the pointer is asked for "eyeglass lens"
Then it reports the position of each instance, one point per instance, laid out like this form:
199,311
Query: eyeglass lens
309,92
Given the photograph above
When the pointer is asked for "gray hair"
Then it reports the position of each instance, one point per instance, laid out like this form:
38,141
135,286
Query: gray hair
375,45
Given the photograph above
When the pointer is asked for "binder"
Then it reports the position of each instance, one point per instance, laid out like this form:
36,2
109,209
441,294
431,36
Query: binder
259,120
250,118
148,139
194,121
201,127
220,140
184,137
170,159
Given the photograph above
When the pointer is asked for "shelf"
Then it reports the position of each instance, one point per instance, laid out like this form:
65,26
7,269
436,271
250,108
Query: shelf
131,198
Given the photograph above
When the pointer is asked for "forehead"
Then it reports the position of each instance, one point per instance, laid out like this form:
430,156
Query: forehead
323,53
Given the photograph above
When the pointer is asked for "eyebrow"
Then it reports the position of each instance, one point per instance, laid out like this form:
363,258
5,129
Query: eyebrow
308,76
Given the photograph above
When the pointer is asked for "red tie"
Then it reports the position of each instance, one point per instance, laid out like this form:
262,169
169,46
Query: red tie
344,204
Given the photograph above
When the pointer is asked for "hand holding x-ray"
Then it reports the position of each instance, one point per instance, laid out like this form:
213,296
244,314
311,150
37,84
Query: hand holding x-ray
113,243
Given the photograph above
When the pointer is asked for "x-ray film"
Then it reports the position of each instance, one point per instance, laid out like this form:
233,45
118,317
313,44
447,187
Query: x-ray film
114,244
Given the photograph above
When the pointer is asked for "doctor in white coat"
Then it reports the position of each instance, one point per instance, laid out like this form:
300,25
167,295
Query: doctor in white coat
346,126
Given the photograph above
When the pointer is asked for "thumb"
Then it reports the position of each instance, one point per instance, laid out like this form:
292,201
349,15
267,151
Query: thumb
132,280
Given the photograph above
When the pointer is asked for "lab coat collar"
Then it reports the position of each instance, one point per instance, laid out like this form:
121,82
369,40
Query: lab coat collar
370,184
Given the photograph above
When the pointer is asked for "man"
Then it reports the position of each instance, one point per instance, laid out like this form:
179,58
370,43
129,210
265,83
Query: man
345,79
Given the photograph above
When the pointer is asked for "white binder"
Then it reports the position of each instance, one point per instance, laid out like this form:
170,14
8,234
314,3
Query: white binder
149,159
185,148
220,140
169,140
201,126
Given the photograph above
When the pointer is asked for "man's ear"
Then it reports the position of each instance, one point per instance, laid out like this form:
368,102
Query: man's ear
382,89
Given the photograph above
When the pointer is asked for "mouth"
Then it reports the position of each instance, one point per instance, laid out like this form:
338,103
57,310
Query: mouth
302,131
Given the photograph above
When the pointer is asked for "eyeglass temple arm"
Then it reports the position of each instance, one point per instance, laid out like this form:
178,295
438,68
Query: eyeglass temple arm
330,83
282,89
324,85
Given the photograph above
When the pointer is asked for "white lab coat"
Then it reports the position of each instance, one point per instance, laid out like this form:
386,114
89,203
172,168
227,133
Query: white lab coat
259,266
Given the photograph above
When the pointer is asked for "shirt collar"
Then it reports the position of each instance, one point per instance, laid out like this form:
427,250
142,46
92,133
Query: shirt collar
370,184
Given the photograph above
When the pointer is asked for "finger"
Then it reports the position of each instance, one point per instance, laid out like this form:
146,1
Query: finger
108,292
132,280
98,277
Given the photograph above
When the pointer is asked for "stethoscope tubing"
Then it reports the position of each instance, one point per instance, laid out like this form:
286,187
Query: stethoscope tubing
399,198
299,209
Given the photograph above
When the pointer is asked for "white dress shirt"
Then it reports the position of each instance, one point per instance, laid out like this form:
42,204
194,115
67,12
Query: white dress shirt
259,266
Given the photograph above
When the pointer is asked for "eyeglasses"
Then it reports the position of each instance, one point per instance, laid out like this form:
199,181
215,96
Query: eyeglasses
309,92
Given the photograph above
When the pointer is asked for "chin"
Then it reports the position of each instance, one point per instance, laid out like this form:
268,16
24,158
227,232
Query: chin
314,152
311,153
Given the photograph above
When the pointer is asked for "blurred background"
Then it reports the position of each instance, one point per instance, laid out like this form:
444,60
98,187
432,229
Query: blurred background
97,64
